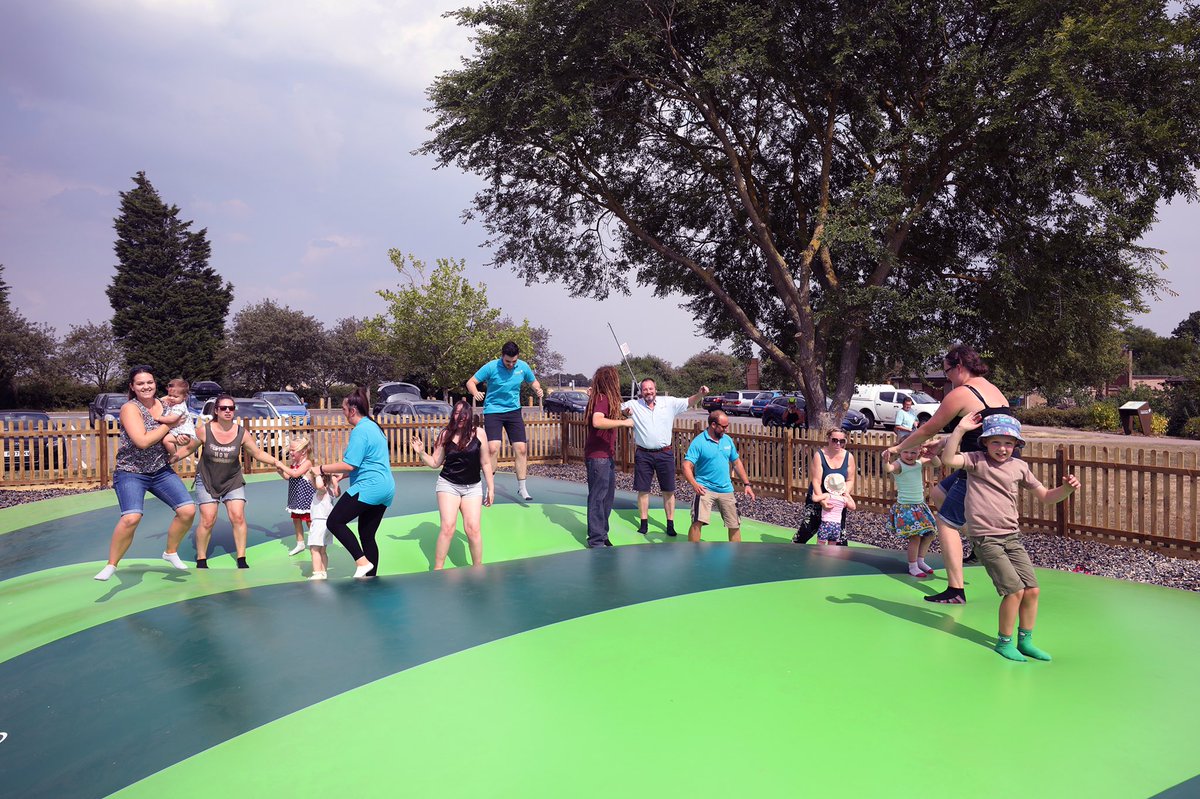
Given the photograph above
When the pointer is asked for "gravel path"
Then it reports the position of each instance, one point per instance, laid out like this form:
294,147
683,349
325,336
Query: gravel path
1046,551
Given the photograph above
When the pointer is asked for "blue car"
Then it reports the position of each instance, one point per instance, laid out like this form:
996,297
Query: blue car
760,402
287,403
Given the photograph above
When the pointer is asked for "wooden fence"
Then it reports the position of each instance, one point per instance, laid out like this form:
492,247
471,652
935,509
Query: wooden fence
1131,495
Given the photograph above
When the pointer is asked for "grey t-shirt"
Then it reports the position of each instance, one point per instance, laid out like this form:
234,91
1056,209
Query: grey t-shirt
992,493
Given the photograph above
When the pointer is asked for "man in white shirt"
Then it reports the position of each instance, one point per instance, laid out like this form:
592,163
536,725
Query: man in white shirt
653,432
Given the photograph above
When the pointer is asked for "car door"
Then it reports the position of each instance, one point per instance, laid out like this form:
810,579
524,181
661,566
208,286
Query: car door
887,405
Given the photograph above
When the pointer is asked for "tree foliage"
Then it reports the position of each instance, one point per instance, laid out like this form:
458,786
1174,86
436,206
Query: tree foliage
26,350
1189,328
90,353
439,329
832,182
169,306
717,370
1159,355
354,359
271,347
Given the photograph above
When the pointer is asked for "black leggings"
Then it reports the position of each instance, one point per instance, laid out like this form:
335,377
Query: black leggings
347,509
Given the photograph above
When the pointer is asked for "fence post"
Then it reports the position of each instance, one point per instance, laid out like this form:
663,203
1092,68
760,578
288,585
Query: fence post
787,467
101,428
1060,471
562,432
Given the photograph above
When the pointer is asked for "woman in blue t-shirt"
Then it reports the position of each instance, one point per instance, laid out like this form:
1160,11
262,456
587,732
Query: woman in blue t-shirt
371,488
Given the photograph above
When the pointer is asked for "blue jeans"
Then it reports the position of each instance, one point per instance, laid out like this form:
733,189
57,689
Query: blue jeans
131,488
953,510
602,489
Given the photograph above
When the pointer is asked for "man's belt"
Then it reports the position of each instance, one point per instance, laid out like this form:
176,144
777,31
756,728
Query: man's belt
667,448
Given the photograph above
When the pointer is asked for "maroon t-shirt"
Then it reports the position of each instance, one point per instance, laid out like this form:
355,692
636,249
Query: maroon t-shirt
600,443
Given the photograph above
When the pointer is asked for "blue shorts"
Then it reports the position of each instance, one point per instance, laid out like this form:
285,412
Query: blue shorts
131,488
953,510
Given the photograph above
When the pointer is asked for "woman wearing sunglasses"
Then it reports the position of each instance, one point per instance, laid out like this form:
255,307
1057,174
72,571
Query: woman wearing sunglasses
833,458
219,477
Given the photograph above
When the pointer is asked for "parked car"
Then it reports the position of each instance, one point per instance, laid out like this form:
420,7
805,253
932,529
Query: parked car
415,409
249,408
760,402
200,393
106,407
287,403
776,410
394,392
27,454
879,403
565,402
773,414
712,402
738,402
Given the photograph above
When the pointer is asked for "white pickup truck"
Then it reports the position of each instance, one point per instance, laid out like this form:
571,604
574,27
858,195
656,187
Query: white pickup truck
880,402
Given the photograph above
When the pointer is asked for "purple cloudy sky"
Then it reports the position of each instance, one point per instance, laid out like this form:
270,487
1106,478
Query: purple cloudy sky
286,129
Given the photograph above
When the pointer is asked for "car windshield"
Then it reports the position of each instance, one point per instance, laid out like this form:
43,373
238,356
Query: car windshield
921,398
397,407
282,398
246,410
24,419
111,403
575,396
432,408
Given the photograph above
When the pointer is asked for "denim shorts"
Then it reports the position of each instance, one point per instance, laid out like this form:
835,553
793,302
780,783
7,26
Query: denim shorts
953,510
205,498
131,488
444,486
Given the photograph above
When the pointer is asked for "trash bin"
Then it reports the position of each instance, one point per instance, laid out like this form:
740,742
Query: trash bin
1135,419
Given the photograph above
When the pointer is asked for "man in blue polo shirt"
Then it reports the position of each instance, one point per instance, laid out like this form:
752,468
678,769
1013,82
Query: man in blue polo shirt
502,405
706,468
653,433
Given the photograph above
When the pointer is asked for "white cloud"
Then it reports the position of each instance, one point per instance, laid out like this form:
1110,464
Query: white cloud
402,43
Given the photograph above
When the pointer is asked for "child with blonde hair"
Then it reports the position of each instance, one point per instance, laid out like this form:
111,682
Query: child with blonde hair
326,491
300,488
175,404
910,517
836,499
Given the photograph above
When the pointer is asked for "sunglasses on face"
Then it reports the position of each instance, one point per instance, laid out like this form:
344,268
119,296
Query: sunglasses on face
224,407
722,426
841,442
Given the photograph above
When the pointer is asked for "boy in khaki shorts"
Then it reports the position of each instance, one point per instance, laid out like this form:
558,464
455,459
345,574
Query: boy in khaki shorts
993,477
706,468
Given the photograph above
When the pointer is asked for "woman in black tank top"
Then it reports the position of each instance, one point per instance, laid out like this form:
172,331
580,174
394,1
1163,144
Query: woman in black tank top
972,393
461,450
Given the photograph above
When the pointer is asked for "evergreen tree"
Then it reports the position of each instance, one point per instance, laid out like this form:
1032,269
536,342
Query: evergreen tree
169,306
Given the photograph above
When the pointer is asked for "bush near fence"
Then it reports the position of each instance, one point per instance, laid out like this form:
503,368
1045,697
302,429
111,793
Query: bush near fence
1130,495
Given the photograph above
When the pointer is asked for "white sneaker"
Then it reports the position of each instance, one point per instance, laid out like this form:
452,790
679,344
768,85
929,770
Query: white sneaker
108,571
361,571
319,576
296,550
173,559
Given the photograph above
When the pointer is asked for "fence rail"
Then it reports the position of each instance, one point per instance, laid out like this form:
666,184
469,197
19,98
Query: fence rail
1129,495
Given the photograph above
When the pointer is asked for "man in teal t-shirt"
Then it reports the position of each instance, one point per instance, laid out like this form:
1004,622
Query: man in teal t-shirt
502,405
706,468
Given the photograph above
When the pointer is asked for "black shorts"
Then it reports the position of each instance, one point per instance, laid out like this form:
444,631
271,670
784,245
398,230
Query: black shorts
647,463
510,422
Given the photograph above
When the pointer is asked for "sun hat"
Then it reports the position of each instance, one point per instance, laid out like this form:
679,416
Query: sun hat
1001,424
835,484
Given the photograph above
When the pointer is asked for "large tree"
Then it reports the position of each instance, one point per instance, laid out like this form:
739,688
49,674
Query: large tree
439,329
717,370
272,346
827,179
91,354
26,349
169,306
354,358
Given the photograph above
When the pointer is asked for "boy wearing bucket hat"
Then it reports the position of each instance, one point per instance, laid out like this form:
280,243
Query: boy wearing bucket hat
992,515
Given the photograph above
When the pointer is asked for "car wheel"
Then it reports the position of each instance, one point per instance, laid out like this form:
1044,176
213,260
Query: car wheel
869,417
